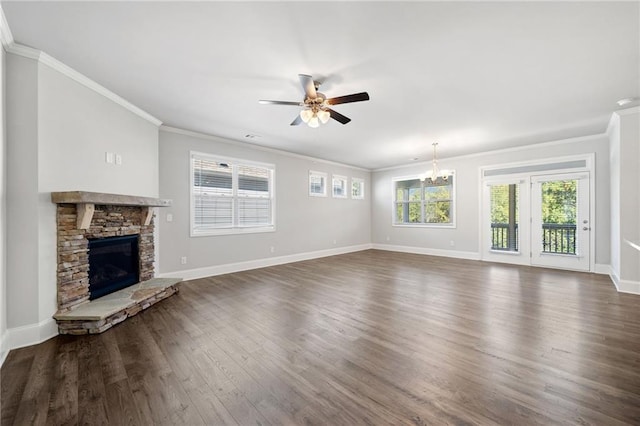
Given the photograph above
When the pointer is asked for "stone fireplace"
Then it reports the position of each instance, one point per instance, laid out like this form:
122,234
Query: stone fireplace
88,221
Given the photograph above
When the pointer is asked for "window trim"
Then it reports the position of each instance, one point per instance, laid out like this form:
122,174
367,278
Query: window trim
451,225
345,181
324,187
361,182
234,229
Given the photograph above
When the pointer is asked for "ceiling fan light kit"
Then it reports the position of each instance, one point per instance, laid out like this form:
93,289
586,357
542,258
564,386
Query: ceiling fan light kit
315,105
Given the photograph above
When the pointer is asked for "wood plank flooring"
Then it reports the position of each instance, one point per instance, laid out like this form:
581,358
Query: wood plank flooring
371,337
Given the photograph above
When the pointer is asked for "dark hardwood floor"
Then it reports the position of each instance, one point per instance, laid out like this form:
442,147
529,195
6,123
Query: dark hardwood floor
365,338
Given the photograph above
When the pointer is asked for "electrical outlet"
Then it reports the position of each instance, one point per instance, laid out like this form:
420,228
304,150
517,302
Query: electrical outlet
169,217
452,243
335,242
272,249
183,260
388,238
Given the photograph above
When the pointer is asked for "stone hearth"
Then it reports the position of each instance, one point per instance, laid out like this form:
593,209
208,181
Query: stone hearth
103,313
85,215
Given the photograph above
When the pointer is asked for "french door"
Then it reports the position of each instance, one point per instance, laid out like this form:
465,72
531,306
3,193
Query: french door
540,220
560,222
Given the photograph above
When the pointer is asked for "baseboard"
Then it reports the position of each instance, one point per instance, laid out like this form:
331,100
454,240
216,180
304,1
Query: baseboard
469,255
602,269
209,271
631,287
625,286
28,335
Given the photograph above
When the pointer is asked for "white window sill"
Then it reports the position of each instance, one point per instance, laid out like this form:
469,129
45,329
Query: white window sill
232,231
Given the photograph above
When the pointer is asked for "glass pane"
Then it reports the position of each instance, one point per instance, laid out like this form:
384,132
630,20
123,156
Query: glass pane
559,201
253,181
357,188
415,216
504,217
438,212
254,211
432,193
213,212
316,184
211,177
414,194
339,187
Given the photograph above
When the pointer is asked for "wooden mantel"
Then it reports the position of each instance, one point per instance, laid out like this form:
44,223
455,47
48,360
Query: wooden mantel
85,203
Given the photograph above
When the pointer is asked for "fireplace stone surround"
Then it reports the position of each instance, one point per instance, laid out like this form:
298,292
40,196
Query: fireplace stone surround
86,215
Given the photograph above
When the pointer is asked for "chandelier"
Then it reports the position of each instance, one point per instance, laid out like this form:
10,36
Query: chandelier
435,171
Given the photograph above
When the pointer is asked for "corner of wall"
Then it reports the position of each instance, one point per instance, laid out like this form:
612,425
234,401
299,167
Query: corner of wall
3,348
6,39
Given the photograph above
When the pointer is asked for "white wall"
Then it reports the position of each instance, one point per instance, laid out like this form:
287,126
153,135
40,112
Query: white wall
22,192
624,135
467,232
614,193
58,132
304,224
3,203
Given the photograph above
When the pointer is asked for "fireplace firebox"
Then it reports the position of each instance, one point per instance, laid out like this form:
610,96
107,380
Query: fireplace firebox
113,264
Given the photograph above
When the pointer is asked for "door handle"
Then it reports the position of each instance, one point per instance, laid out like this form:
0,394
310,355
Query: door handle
586,228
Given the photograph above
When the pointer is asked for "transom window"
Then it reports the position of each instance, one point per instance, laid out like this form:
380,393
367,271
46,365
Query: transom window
230,196
423,202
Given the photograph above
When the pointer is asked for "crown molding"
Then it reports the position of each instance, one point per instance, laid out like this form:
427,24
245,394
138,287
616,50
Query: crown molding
51,62
500,151
220,139
628,111
614,121
6,38
24,51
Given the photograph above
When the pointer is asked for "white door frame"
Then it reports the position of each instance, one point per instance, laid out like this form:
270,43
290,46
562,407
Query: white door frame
526,170
555,260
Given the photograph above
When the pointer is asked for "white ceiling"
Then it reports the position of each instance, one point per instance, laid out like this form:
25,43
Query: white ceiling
473,76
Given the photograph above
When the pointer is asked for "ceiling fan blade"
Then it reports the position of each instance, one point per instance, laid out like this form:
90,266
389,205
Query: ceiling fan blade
356,97
297,121
308,85
338,117
281,103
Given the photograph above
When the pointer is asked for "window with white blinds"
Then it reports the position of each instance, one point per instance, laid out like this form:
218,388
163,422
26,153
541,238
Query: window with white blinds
230,196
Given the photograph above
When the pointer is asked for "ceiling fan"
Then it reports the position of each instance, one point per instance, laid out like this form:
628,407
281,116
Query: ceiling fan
316,105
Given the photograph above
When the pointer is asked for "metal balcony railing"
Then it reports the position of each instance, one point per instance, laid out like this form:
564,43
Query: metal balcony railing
502,238
559,238
556,238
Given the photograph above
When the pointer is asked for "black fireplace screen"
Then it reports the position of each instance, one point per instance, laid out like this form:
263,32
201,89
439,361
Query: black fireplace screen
113,264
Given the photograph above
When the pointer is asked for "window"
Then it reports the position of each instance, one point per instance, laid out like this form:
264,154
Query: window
317,184
423,202
503,205
357,188
230,196
339,185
